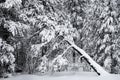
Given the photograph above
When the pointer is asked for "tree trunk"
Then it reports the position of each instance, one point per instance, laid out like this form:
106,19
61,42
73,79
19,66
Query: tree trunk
96,67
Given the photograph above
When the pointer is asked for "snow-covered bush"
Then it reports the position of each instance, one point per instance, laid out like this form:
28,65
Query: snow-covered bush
61,64
7,58
43,67
107,64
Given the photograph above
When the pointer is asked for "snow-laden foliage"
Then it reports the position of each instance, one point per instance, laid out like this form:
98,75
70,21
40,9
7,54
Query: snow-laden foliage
47,35
6,53
66,30
61,64
107,63
108,28
16,28
12,3
43,67
7,57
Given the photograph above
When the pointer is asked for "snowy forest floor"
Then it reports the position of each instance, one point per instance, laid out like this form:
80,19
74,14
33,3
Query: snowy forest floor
65,76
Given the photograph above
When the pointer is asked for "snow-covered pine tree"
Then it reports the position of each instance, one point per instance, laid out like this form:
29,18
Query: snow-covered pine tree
105,15
108,31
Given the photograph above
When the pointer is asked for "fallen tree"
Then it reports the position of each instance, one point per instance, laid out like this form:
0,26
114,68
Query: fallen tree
96,67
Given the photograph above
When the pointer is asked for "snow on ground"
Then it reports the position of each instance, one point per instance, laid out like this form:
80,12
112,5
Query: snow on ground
66,76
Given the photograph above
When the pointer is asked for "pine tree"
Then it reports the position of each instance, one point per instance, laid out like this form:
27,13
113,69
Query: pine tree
102,24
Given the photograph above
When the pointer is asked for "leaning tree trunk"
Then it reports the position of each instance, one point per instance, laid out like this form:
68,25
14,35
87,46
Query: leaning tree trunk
96,67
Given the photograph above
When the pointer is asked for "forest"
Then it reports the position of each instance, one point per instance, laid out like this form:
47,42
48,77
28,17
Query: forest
36,35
